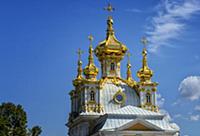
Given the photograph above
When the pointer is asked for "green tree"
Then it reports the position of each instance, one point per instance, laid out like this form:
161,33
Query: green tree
35,131
13,121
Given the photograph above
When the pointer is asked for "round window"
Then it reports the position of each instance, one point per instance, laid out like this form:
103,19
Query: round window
119,97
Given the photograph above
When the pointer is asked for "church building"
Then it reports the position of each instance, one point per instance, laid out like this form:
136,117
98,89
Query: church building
113,105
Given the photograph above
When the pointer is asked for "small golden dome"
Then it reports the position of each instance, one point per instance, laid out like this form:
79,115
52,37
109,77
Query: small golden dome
145,73
91,71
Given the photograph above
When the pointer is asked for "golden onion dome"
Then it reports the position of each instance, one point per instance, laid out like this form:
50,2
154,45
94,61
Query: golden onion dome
110,47
145,73
90,71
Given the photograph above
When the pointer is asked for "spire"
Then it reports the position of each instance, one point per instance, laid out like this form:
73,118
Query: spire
129,77
145,73
91,70
129,73
79,70
110,30
90,58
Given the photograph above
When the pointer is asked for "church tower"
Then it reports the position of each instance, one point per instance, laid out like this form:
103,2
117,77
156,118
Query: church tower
147,88
113,105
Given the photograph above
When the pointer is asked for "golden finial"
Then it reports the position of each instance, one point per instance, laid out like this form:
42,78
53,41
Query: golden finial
109,8
79,52
90,37
91,59
129,73
110,30
79,70
128,56
144,41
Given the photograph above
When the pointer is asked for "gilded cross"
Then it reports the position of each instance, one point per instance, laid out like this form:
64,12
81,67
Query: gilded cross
109,8
144,41
79,52
128,56
90,37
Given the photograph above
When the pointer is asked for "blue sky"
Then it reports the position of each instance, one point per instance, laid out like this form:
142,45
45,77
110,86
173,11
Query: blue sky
39,40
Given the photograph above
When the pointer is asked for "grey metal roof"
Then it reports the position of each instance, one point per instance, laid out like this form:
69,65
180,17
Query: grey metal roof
132,110
116,119
163,124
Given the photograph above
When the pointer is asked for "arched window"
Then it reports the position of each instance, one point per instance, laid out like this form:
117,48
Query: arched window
148,98
112,66
92,96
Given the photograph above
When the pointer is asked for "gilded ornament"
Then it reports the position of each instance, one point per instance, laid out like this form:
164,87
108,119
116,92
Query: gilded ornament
115,81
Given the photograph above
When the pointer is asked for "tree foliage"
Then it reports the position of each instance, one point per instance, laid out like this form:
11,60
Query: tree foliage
35,131
13,121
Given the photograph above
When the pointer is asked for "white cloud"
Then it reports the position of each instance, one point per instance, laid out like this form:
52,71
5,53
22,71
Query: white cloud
169,22
177,116
190,88
177,102
194,117
180,116
160,100
197,108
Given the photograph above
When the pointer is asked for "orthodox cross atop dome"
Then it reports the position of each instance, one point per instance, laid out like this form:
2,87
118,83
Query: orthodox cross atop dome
79,76
144,41
129,73
109,8
79,52
110,30
91,38
90,58
128,56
